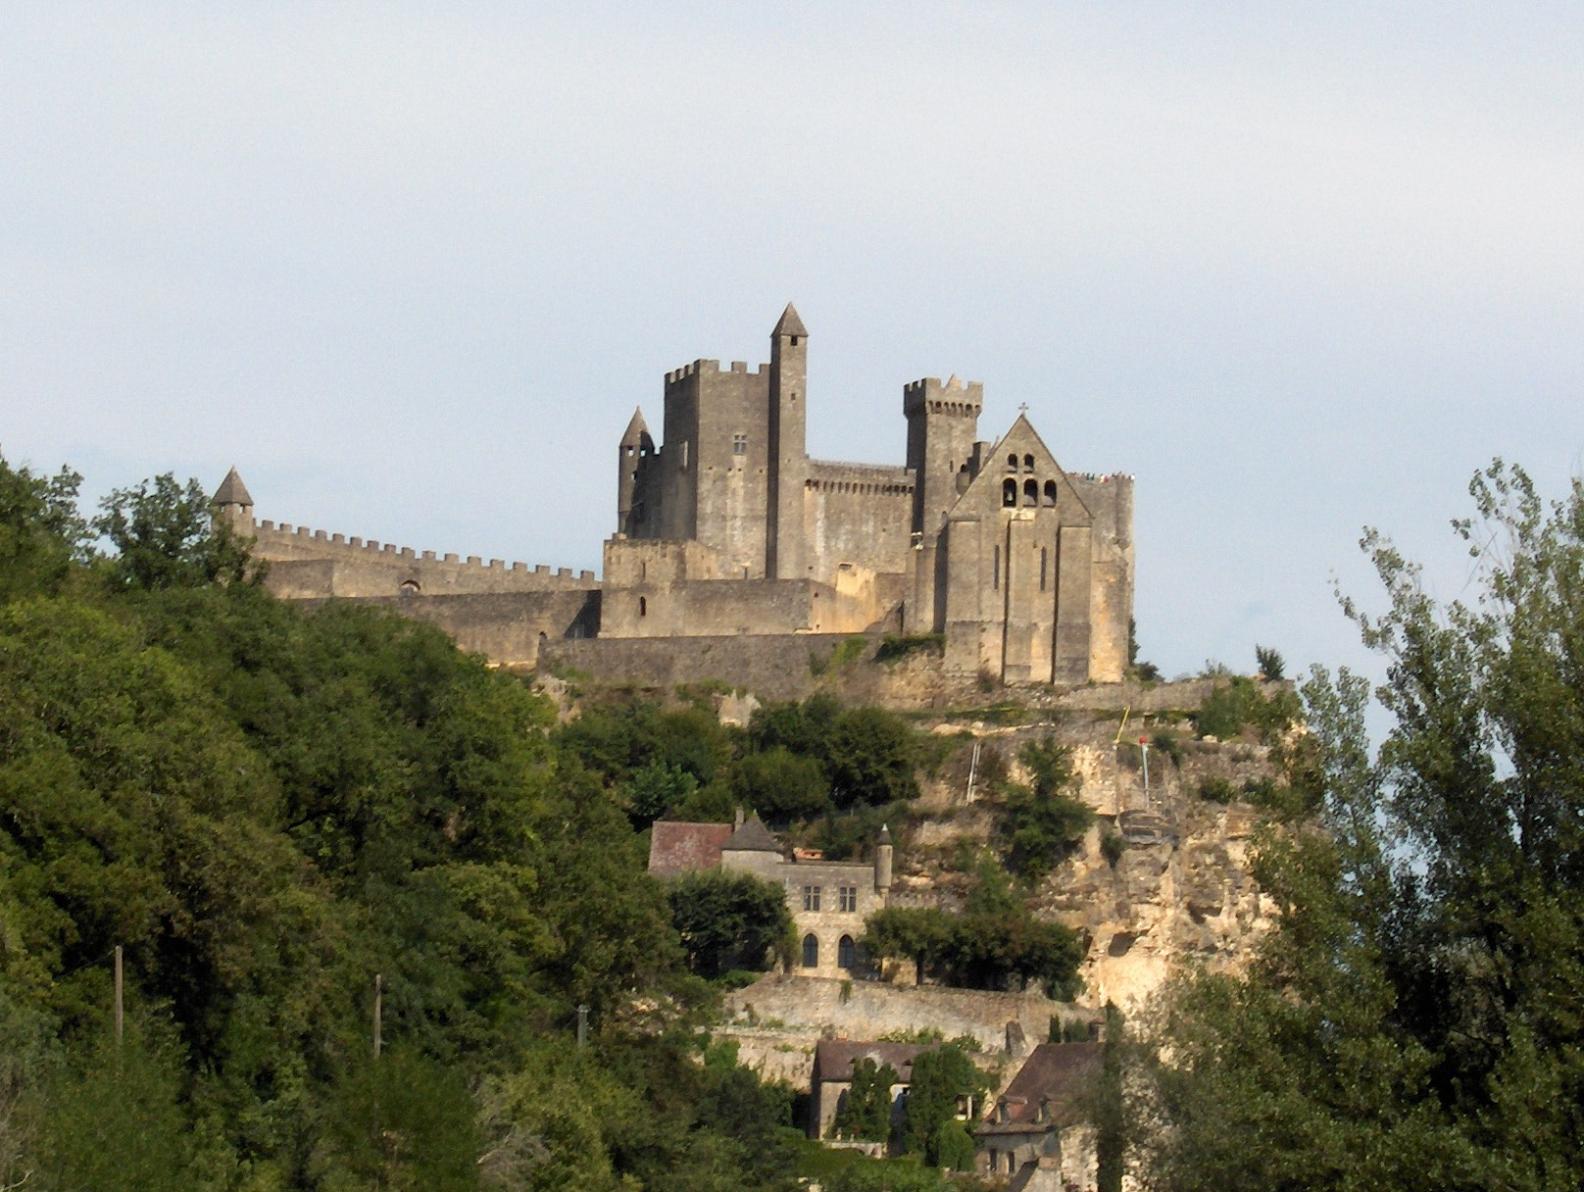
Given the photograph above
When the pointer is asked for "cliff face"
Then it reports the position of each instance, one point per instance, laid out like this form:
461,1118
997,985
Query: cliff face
1179,893
1163,905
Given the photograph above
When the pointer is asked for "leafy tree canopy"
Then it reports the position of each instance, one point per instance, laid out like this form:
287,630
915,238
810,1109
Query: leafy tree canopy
1415,1019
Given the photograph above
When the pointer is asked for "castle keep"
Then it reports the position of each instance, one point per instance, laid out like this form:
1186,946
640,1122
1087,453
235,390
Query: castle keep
727,529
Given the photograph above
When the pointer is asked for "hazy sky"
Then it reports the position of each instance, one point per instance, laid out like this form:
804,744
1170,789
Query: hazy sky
410,267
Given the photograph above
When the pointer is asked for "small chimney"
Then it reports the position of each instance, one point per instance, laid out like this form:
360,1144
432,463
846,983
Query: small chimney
737,818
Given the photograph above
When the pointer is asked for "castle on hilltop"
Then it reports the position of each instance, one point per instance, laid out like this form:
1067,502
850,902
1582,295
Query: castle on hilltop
726,529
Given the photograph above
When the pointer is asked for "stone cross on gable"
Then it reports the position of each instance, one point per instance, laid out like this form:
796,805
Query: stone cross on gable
1022,407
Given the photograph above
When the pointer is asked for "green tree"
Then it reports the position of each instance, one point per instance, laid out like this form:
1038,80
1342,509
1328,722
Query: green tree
400,1122
919,934
729,920
866,1111
1415,1019
165,536
781,786
1040,824
41,532
942,1078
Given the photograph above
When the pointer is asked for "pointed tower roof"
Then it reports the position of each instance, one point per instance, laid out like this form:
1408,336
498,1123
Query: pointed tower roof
753,836
637,430
232,491
789,323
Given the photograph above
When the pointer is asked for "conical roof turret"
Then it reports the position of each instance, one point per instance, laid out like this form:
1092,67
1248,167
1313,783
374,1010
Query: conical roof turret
789,323
637,430
232,491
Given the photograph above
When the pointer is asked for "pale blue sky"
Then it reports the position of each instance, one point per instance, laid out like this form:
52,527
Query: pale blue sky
410,267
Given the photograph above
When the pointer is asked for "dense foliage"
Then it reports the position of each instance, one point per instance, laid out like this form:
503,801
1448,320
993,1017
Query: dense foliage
266,810
866,1110
730,921
1041,823
995,943
1417,1019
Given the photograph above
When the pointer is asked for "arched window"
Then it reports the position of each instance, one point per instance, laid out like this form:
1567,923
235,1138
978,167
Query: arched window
846,953
1028,463
1009,492
409,587
1012,462
643,606
1050,492
810,951
1031,492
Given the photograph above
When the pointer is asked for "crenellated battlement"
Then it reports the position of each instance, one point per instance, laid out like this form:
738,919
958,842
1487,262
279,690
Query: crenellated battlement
356,566
837,476
712,368
953,396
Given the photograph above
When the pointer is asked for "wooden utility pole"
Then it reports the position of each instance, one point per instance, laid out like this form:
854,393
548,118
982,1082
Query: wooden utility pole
379,1005
118,987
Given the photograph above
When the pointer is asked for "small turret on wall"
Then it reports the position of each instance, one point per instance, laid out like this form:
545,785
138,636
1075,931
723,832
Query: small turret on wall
882,863
233,505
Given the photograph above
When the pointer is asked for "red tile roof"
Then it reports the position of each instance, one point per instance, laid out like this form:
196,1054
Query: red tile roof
677,847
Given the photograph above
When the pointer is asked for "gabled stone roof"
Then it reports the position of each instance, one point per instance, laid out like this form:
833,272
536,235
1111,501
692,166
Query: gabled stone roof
677,847
834,1058
232,491
753,837
1057,1073
789,323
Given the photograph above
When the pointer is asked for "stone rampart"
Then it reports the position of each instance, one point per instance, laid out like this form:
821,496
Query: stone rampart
870,1009
772,666
508,628
359,567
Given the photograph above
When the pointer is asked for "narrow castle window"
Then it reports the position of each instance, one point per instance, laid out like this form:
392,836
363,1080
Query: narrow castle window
643,606
1012,462
739,444
1028,463
1050,492
995,580
846,953
1031,492
810,951
1044,559
1009,492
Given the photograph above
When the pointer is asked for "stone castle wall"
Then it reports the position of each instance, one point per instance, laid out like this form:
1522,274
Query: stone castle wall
308,563
508,628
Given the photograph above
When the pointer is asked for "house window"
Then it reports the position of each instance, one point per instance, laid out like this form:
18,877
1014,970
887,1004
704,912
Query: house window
846,953
811,899
810,951
739,444
849,898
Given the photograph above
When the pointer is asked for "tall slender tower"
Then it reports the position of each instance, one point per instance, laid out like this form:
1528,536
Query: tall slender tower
632,454
788,451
